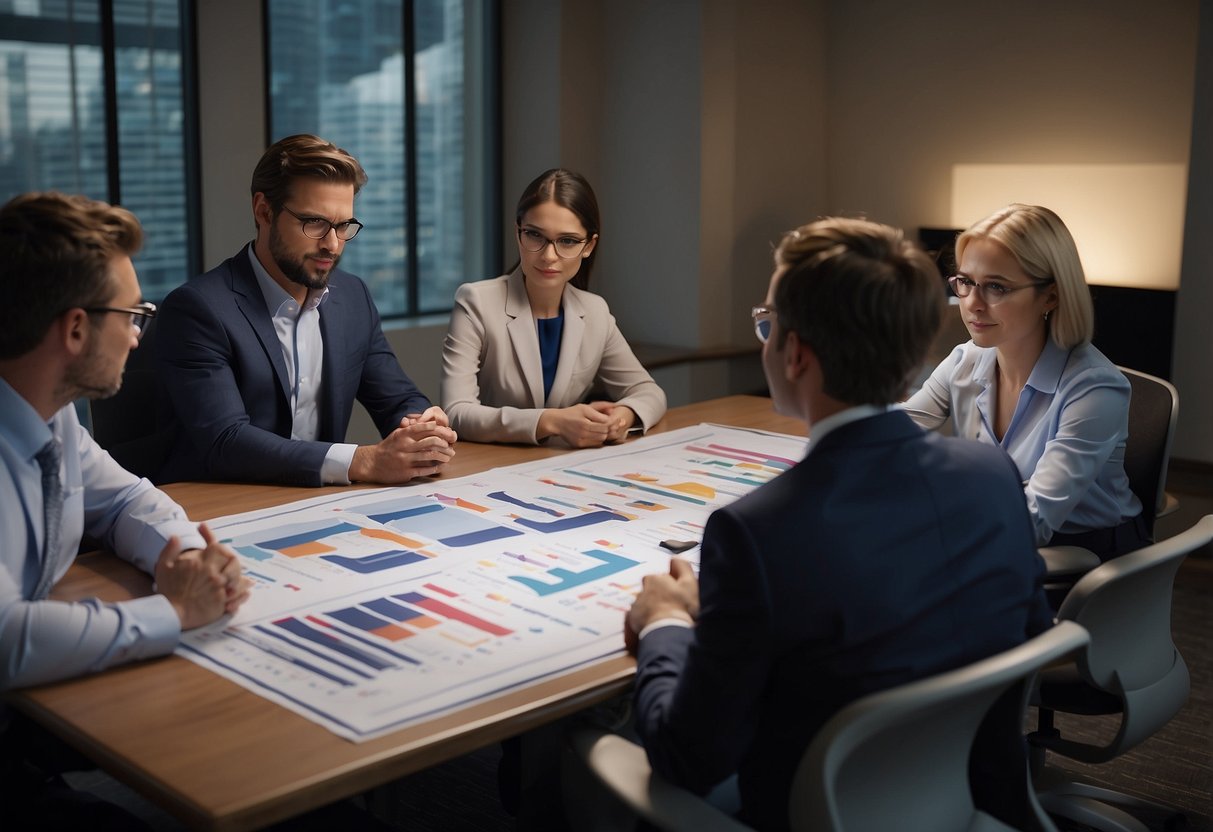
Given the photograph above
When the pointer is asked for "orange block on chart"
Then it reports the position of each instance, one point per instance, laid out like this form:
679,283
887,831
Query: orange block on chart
393,633
384,534
312,547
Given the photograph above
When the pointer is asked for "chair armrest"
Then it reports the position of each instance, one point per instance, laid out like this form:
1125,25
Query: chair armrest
1067,561
622,767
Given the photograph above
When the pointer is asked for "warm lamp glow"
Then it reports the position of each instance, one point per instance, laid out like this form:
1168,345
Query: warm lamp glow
1127,220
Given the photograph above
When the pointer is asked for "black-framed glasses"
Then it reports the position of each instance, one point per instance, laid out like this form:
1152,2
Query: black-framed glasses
993,292
318,227
566,247
762,315
141,314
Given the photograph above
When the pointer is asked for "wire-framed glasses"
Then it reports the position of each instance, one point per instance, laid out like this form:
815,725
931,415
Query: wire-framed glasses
566,247
141,314
318,227
762,316
993,292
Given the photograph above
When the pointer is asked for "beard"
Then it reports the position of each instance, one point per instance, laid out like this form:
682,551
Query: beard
296,268
93,377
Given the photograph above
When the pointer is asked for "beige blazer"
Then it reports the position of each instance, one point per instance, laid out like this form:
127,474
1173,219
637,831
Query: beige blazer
492,378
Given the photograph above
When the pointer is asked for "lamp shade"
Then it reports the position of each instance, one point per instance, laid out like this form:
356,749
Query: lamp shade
1127,220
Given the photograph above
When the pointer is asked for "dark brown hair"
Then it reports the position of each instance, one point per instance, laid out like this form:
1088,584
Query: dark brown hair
568,190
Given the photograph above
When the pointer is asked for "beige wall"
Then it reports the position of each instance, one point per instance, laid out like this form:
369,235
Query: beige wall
915,88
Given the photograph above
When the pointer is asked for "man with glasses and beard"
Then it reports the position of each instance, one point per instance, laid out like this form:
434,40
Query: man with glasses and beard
71,315
263,356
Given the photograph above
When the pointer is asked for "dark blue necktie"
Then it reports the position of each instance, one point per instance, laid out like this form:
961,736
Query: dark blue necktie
52,514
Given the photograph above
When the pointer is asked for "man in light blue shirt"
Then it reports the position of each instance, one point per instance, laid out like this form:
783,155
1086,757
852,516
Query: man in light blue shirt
71,316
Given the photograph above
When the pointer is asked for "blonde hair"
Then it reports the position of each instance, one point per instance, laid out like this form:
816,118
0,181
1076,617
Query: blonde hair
1042,245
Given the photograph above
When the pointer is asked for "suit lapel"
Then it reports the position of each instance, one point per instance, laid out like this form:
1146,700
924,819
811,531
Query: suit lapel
524,336
252,305
570,345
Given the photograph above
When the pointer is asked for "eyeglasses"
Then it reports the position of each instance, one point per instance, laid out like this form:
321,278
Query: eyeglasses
762,316
141,314
318,227
992,292
566,247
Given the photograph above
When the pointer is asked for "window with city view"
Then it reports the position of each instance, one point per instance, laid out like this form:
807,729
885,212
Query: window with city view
401,86
96,105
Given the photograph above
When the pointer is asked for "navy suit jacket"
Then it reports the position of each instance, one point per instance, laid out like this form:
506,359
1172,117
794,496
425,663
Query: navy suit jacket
221,365
886,555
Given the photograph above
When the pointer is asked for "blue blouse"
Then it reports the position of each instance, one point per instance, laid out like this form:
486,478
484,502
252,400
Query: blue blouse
1067,434
550,330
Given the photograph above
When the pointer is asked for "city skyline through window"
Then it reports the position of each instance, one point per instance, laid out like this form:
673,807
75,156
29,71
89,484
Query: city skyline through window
400,86
96,106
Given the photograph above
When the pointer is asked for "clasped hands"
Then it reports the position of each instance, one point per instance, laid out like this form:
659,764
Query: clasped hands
419,447
587,425
201,584
673,595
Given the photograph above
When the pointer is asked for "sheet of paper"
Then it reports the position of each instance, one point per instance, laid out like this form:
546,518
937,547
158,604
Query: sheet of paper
376,608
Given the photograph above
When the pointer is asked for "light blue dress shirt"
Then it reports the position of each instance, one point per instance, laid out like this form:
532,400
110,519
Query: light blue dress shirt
1067,434
303,350
41,640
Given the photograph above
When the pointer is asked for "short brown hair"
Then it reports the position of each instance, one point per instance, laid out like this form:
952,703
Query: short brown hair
55,253
303,155
866,300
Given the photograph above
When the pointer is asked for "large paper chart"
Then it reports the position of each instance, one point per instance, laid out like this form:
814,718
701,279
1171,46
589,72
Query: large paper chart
376,608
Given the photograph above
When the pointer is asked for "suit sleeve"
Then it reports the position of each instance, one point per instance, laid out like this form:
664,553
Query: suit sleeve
626,381
197,357
384,389
463,354
698,691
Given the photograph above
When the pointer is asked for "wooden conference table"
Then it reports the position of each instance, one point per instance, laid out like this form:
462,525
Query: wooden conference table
220,757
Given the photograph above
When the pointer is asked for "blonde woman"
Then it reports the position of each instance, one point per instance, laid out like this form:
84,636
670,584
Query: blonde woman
1031,382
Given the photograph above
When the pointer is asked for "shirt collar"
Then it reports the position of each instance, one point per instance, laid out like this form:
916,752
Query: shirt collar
1046,373
818,430
25,430
277,300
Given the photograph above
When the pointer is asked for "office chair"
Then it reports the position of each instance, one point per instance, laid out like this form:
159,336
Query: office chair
1153,411
897,759
1130,668
125,424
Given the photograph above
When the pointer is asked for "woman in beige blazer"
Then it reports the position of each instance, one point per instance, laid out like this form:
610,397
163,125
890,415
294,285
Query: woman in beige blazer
524,350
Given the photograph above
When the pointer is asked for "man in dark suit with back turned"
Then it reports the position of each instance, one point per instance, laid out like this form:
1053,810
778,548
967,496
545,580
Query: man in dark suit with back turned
886,555
262,357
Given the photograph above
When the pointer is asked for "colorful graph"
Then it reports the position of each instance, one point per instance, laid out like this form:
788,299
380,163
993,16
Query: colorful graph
608,564
449,526
362,550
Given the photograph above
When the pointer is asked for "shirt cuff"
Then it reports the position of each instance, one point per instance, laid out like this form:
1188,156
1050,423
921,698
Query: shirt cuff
336,467
665,622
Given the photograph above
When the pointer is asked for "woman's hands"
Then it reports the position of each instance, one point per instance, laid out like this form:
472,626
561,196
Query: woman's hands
587,425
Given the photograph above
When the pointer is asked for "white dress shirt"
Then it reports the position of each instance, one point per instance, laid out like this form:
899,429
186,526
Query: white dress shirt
299,335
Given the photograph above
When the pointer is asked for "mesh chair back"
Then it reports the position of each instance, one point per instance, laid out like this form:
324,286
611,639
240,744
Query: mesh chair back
125,424
1126,606
1153,410
900,758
